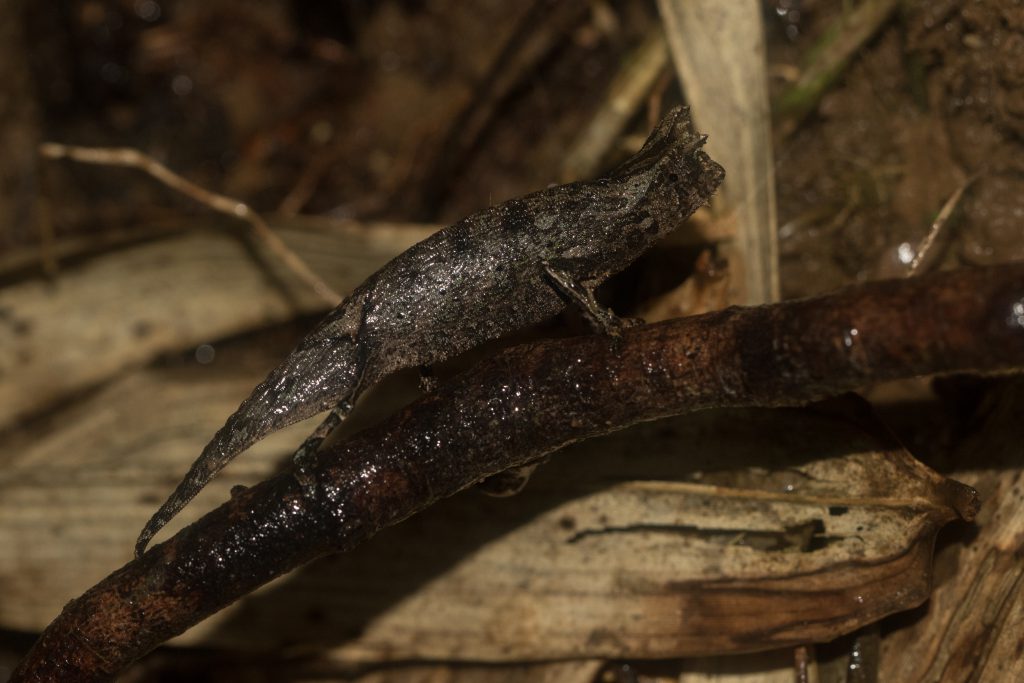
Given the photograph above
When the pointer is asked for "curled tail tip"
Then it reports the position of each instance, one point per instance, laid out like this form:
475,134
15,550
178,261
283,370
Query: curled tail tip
209,463
164,514
144,538
158,521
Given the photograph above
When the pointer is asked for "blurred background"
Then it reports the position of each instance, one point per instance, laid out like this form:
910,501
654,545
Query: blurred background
133,318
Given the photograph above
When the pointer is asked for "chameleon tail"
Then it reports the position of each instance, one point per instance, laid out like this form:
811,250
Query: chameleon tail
218,453
314,377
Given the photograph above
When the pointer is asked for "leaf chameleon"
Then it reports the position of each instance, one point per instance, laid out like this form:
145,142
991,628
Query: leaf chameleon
499,270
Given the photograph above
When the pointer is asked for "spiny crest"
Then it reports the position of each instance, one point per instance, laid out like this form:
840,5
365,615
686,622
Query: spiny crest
670,141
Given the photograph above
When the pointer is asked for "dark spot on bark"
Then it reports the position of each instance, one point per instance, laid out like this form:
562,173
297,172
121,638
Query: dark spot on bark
142,328
759,363
567,523
837,510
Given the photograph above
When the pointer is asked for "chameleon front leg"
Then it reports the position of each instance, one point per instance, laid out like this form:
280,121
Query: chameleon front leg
306,453
602,319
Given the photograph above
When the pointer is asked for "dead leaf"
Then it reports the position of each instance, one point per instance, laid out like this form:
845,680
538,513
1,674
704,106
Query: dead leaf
972,628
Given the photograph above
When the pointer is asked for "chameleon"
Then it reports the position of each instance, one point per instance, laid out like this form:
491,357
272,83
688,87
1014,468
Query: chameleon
499,270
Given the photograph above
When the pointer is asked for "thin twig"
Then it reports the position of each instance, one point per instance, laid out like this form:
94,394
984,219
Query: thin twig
306,185
133,158
625,96
518,406
937,225
539,30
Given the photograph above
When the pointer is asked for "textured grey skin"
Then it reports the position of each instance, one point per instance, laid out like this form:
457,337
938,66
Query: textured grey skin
476,280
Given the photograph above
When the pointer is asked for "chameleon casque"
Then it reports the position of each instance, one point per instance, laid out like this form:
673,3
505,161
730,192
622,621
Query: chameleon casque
497,271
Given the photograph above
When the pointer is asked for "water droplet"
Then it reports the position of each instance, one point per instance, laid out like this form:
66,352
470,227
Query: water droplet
205,354
181,85
906,253
849,336
147,10
1017,314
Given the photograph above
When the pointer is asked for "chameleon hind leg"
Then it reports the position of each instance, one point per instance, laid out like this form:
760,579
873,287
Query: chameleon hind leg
305,456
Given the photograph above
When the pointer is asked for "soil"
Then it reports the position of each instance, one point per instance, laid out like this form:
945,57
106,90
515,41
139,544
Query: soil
933,101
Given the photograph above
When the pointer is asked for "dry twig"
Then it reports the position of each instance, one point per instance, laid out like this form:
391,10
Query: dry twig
718,51
133,158
937,225
625,96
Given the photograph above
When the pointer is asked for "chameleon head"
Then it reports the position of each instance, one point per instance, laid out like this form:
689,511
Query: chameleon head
676,173
681,175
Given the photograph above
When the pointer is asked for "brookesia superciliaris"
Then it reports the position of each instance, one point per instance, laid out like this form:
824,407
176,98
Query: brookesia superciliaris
497,271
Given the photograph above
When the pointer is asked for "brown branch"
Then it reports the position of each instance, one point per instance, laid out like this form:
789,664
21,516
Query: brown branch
133,158
519,405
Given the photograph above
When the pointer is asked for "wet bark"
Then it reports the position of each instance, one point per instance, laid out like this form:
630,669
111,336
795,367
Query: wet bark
523,403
